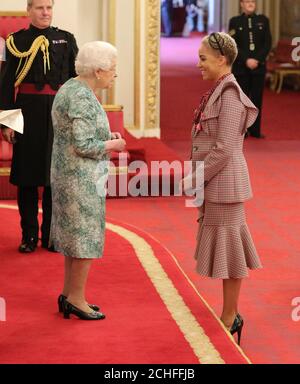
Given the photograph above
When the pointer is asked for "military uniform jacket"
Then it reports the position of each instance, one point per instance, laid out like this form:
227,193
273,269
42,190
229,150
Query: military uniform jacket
219,144
253,37
32,151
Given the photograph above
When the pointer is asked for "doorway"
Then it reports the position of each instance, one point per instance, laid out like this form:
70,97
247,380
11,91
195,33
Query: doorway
180,18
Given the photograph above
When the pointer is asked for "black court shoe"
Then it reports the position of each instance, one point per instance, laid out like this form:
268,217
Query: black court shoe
28,246
237,327
70,309
61,299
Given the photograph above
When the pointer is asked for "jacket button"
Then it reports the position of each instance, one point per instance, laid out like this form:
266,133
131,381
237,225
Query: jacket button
195,149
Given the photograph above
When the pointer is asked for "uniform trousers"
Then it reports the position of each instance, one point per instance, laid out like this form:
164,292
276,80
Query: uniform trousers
253,86
166,15
28,199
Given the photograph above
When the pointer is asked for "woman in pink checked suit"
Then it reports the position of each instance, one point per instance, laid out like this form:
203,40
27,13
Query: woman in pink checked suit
225,248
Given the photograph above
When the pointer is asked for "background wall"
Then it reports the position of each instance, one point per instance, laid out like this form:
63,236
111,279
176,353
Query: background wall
73,15
12,5
290,18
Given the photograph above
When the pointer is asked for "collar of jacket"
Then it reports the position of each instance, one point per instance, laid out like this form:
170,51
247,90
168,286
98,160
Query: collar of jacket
212,109
229,81
251,15
34,29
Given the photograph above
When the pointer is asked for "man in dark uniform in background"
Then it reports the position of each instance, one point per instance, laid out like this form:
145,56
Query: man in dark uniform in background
166,7
253,37
51,56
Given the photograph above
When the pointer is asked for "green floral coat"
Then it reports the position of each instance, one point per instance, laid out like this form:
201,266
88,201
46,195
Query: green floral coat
79,171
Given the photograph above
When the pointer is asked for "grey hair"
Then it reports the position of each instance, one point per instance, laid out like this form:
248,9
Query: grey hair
95,55
29,3
228,46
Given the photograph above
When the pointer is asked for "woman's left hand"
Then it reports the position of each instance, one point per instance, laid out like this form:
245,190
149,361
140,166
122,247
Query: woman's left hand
116,135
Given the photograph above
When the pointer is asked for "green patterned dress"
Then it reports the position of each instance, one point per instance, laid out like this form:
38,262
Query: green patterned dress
79,171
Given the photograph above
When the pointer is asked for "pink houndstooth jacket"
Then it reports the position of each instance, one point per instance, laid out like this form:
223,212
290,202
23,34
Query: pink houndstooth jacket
219,144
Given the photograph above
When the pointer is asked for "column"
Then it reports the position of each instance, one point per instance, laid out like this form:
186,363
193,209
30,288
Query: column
133,26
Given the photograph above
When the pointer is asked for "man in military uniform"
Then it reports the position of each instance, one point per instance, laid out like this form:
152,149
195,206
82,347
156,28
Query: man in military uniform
253,37
38,61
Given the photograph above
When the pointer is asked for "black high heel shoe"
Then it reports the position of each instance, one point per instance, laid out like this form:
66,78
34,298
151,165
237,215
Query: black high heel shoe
69,309
240,318
237,327
62,298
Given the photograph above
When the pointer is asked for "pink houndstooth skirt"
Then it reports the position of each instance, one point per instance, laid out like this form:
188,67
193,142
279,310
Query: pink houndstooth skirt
225,249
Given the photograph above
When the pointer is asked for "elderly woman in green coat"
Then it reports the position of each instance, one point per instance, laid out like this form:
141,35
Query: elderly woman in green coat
80,160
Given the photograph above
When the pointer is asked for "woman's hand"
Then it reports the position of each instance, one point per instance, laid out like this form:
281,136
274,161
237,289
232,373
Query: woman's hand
117,145
8,135
252,63
188,184
116,135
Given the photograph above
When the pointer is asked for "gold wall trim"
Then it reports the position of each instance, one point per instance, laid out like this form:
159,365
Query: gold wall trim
4,171
118,171
112,108
13,13
112,9
152,63
137,65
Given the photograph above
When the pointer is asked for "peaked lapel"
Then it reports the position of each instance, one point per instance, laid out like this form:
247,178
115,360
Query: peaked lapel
212,110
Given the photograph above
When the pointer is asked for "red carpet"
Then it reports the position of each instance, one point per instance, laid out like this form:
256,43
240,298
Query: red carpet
181,86
270,334
139,327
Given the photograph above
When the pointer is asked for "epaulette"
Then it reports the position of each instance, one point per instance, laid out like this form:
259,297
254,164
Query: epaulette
56,29
16,33
263,16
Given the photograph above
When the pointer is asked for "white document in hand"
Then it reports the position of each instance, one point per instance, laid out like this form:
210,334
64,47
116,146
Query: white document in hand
13,119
